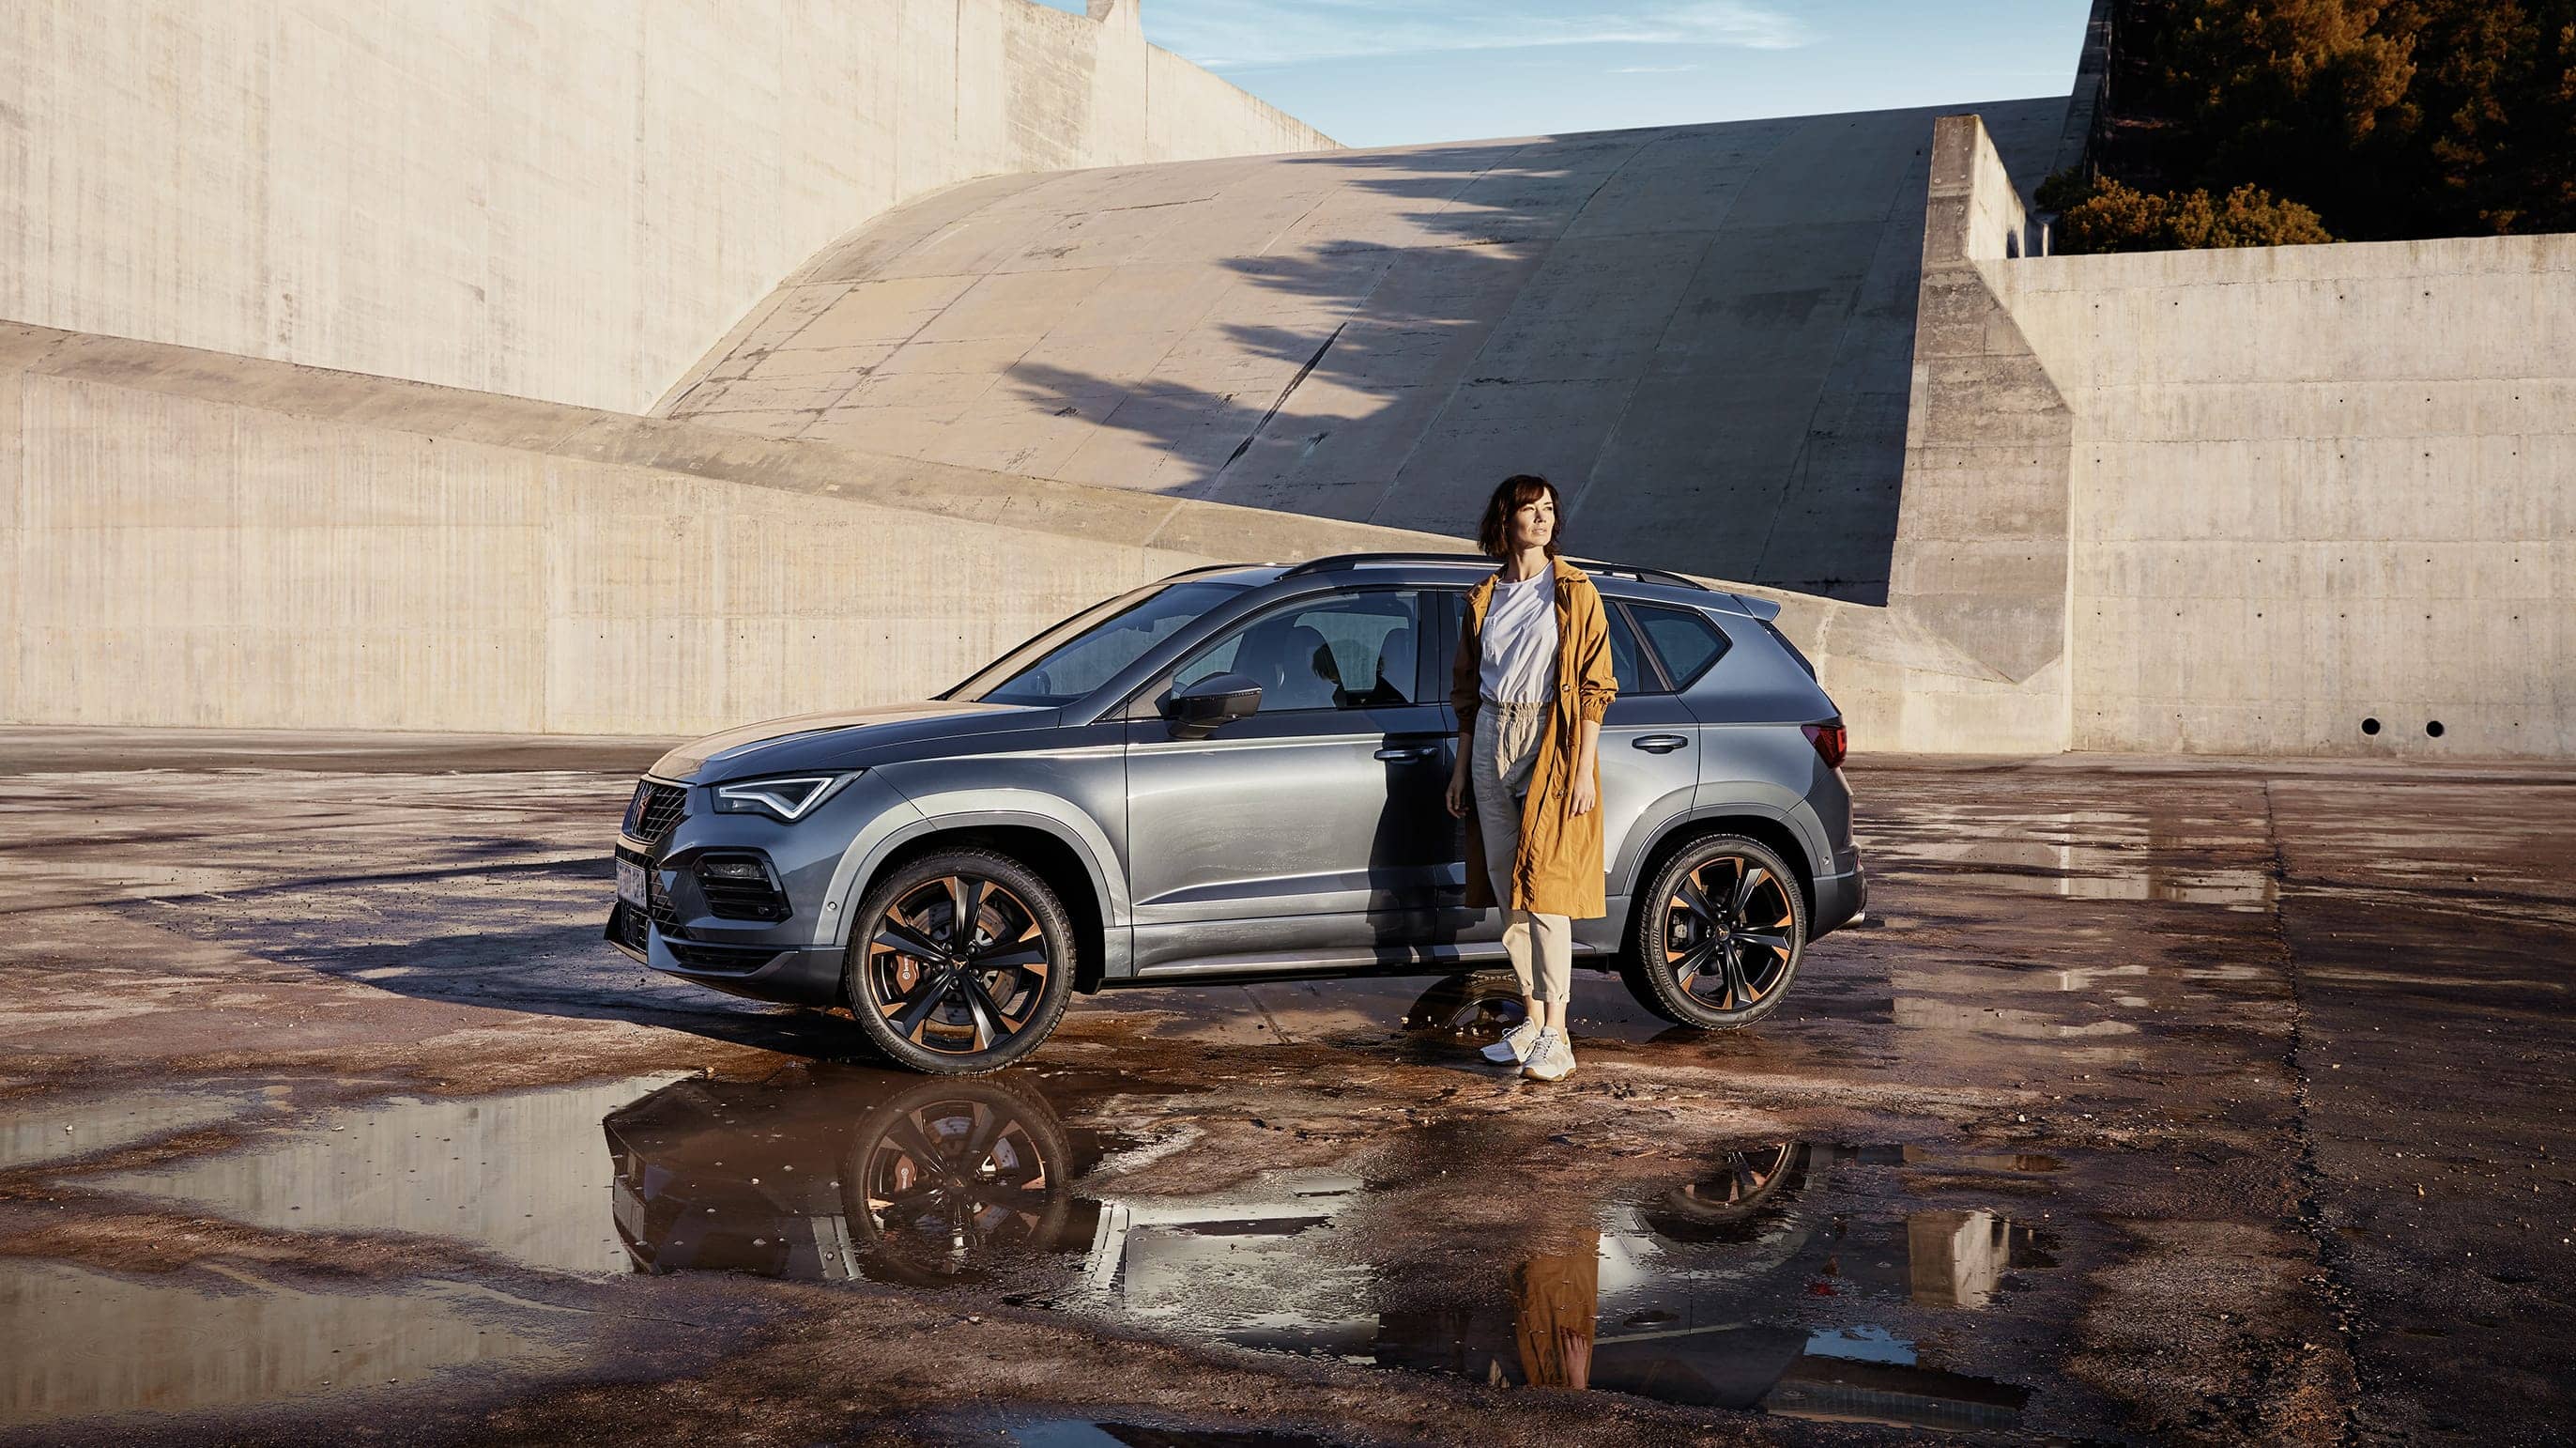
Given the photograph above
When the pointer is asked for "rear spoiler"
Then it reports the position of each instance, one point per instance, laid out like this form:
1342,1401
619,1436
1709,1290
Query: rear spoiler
1762,610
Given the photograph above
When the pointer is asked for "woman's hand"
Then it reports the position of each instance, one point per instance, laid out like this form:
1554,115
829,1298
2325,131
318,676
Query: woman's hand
1458,792
1586,790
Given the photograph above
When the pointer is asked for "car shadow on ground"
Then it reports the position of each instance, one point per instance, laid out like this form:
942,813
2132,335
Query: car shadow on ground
568,971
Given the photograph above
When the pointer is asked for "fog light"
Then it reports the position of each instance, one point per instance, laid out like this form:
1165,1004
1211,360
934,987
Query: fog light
730,870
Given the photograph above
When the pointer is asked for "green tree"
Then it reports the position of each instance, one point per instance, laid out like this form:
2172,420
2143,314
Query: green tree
2285,93
2105,215
2392,118
2488,125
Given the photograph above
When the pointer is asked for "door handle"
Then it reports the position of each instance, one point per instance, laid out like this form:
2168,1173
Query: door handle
1399,751
1661,743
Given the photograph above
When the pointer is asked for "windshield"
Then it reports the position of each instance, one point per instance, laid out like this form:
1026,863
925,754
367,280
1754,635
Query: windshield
1085,651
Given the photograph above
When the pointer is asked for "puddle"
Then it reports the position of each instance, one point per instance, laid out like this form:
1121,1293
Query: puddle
2082,854
1368,1010
112,1344
522,1174
64,1129
1104,1433
1793,1277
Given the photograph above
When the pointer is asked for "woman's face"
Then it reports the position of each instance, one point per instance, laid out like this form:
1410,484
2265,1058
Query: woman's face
1534,522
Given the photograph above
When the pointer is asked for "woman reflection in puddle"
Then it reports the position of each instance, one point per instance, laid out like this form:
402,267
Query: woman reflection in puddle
1558,1299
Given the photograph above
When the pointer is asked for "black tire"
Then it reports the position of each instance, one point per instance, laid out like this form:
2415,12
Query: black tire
1722,1207
1720,964
954,1181
931,1009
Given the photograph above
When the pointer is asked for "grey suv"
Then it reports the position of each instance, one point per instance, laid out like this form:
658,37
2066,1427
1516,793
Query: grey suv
1236,773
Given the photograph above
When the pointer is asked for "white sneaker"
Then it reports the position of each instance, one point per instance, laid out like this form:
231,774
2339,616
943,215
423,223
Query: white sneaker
1551,1057
1514,1047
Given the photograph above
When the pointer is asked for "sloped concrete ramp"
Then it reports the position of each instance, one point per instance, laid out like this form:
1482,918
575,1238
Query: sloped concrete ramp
1703,333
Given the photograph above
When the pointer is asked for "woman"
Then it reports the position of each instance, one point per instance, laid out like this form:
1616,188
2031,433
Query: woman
1530,685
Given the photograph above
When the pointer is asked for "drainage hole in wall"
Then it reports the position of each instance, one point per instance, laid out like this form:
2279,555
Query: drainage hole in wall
2369,726
2434,728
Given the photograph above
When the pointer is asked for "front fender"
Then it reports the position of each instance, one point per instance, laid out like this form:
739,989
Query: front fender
967,808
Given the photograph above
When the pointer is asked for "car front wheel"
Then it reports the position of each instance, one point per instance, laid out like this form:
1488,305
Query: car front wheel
1720,935
960,962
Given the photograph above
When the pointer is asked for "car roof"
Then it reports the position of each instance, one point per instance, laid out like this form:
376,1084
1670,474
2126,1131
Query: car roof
1613,579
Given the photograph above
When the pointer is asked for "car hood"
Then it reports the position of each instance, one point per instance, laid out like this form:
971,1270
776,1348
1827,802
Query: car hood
836,738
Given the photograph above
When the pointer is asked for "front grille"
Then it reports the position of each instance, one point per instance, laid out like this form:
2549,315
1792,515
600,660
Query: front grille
657,903
655,808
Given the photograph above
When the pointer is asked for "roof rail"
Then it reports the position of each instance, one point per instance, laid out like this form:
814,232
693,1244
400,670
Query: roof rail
1642,575
1203,568
1348,560
1616,570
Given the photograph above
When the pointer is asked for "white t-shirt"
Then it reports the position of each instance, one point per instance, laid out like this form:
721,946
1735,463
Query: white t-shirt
1519,640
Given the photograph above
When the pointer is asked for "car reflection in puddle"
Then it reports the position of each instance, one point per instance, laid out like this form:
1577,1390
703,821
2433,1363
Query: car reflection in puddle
1755,1285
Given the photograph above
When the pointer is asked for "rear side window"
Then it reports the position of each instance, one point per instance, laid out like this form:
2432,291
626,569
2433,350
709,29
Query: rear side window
1783,641
1682,638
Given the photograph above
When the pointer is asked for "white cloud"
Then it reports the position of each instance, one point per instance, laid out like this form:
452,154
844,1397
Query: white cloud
1237,34
1651,69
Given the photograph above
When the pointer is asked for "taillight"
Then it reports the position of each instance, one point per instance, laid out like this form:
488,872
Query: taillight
1830,741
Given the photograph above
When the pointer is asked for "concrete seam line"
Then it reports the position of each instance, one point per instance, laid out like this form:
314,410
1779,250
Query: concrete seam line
1278,402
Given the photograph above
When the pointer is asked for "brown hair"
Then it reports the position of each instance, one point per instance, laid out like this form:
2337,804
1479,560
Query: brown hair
1494,534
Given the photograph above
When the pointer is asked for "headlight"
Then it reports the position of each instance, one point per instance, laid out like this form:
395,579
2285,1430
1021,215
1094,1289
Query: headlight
789,798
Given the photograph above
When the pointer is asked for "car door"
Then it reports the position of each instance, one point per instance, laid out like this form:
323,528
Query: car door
1648,751
1312,832
1650,748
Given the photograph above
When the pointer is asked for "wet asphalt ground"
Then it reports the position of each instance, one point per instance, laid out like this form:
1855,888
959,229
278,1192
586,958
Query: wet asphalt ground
2159,1101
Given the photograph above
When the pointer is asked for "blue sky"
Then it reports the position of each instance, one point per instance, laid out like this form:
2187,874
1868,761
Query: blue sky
1387,72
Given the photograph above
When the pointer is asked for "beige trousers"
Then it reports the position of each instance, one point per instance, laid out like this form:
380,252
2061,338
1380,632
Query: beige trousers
1504,749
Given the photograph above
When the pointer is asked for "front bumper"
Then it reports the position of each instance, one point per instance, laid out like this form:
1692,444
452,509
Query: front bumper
769,936
791,975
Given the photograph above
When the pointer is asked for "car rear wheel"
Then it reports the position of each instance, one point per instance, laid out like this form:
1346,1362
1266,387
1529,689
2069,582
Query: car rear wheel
1720,935
960,963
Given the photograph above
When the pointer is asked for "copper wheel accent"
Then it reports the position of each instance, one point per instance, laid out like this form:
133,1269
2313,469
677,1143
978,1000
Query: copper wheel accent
1727,932
957,964
1739,1204
1750,1176
955,1185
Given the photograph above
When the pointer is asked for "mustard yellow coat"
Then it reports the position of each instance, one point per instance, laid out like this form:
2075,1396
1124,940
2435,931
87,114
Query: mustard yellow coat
1557,870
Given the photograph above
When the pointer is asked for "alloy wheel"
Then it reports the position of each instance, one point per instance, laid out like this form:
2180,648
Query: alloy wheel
1730,930
958,964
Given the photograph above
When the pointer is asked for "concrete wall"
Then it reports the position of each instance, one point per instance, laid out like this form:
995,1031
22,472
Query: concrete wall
1981,550
194,539
1703,333
2314,485
562,201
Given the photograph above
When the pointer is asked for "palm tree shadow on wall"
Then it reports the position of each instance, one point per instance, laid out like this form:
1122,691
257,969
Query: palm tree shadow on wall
1571,306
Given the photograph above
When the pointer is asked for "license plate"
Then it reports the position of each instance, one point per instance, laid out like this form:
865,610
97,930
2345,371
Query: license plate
630,883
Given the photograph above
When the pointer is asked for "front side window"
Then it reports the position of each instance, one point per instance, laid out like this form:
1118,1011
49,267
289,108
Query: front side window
1634,677
1087,650
1353,650
1627,661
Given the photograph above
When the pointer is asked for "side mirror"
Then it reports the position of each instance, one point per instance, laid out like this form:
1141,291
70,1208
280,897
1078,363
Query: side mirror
1198,707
